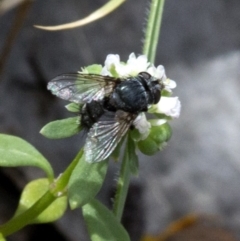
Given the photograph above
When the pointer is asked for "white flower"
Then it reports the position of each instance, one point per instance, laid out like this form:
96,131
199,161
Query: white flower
142,125
137,64
132,67
112,59
169,106
169,84
105,72
158,72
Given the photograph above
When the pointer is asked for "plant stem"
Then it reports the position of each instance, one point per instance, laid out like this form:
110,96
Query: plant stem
25,218
149,49
20,221
153,29
122,185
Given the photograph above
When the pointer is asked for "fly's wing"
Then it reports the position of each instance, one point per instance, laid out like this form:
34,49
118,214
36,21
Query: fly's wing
104,136
82,88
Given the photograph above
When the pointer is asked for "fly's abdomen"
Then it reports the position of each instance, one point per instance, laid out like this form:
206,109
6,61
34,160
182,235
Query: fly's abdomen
90,113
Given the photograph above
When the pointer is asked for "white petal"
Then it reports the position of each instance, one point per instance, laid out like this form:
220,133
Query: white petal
142,125
136,65
169,84
122,70
157,122
161,72
169,106
105,72
152,70
112,59
131,57
158,72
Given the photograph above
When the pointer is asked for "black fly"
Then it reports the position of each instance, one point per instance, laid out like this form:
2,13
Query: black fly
124,98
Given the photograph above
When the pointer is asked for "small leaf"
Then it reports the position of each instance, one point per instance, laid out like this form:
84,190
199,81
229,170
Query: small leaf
62,128
94,69
33,192
73,107
133,158
102,224
2,238
85,181
15,151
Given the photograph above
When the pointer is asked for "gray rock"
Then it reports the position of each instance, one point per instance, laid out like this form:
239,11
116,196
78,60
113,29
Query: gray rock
199,170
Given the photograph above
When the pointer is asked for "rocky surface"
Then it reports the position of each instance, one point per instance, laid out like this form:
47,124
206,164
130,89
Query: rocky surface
199,169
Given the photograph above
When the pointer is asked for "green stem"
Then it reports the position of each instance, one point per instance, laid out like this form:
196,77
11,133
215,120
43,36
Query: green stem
59,186
149,49
153,29
25,218
122,185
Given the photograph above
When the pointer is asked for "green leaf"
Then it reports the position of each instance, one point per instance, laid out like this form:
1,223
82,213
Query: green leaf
133,158
2,238
93,69
102,224
85,181
15,151
62,128
33,192
73,107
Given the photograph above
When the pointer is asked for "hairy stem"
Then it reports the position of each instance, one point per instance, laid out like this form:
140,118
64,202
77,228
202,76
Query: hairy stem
153,29
122,184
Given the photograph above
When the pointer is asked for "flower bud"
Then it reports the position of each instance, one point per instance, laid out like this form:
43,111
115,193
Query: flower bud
156,140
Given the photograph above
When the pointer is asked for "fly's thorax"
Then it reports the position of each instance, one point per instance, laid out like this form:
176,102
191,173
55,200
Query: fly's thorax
130,96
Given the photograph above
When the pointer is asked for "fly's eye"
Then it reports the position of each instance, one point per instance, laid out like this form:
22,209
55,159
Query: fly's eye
145,75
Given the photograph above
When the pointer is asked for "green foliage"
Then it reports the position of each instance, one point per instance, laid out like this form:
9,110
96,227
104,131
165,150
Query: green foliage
93,69
62,128
102,224
85,182
33,192
132,157
73,107
15,152
2,238
156,140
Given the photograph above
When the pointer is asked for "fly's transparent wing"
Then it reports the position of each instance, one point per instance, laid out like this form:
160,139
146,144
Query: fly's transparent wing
104,136
82,88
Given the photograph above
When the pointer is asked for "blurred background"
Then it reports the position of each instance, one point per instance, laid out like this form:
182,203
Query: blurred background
198,173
